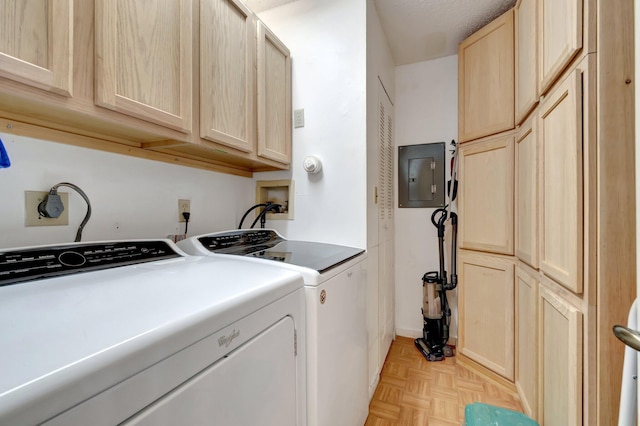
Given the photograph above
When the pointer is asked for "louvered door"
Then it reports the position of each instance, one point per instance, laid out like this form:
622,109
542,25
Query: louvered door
386,149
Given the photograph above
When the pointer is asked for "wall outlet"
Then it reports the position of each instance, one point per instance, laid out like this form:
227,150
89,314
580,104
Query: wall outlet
33,218
183,206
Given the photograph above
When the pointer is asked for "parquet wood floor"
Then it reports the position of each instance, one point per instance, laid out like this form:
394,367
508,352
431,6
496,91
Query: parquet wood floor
413,391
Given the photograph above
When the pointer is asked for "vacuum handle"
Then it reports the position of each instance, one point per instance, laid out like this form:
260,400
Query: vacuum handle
454,244
454,252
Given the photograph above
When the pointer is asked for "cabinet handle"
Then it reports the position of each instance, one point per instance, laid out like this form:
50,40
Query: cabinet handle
628,336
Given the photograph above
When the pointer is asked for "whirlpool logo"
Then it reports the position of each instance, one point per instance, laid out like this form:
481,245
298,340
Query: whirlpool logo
226,340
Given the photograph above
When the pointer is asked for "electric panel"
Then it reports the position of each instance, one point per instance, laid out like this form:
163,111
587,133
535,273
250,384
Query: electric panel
421,175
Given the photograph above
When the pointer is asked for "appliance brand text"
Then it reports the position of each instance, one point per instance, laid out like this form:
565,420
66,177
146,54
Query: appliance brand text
226,340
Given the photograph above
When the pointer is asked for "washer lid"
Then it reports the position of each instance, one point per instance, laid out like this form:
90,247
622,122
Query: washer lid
320,257
269,245
77,335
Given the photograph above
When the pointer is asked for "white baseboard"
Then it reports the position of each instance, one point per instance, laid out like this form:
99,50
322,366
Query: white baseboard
373,386
414,334
409,332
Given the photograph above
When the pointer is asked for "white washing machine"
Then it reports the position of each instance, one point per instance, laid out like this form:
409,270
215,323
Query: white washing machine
138,333
335,286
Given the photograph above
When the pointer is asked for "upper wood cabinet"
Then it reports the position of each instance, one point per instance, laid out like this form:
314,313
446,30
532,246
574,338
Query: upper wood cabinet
526,193
486,307
144,60
560,37
526,50
561,164
138,78
227,76
486,80
274,97
486,193
36,43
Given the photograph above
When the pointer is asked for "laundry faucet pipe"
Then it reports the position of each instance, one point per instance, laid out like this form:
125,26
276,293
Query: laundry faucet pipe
262,217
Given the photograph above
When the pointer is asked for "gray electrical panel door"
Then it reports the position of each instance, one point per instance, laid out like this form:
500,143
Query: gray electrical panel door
421,172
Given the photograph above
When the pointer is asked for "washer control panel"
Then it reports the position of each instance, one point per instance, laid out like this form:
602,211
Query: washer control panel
44,262
241,241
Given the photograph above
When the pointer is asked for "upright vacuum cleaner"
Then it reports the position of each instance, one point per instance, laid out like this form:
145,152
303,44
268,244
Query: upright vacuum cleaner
435,284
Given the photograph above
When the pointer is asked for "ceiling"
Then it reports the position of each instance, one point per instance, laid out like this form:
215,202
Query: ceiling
418,30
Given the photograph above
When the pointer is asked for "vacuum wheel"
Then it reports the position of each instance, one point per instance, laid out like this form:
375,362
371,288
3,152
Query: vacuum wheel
447,351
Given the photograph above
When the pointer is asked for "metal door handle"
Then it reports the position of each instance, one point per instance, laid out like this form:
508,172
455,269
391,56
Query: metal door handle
628,336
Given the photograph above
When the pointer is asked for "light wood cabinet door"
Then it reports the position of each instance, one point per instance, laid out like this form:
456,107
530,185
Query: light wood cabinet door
486,80
560,35
486,195
274,97
526,48
560,343
526,311
486,299
144,60
526,193
227,90
36,43
561,215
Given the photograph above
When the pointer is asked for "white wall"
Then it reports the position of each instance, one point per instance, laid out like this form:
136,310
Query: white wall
327,40
130,197
426,111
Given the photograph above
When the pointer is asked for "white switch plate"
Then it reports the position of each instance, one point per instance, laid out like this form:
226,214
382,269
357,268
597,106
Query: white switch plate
298,118
33,218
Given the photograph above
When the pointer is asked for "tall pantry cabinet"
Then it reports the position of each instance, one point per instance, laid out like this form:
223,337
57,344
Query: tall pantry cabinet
486,162
573,211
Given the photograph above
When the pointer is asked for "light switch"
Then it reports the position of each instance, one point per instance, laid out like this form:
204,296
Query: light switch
298,118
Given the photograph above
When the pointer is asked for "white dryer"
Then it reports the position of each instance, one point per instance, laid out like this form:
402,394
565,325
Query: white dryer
138,333
335,286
